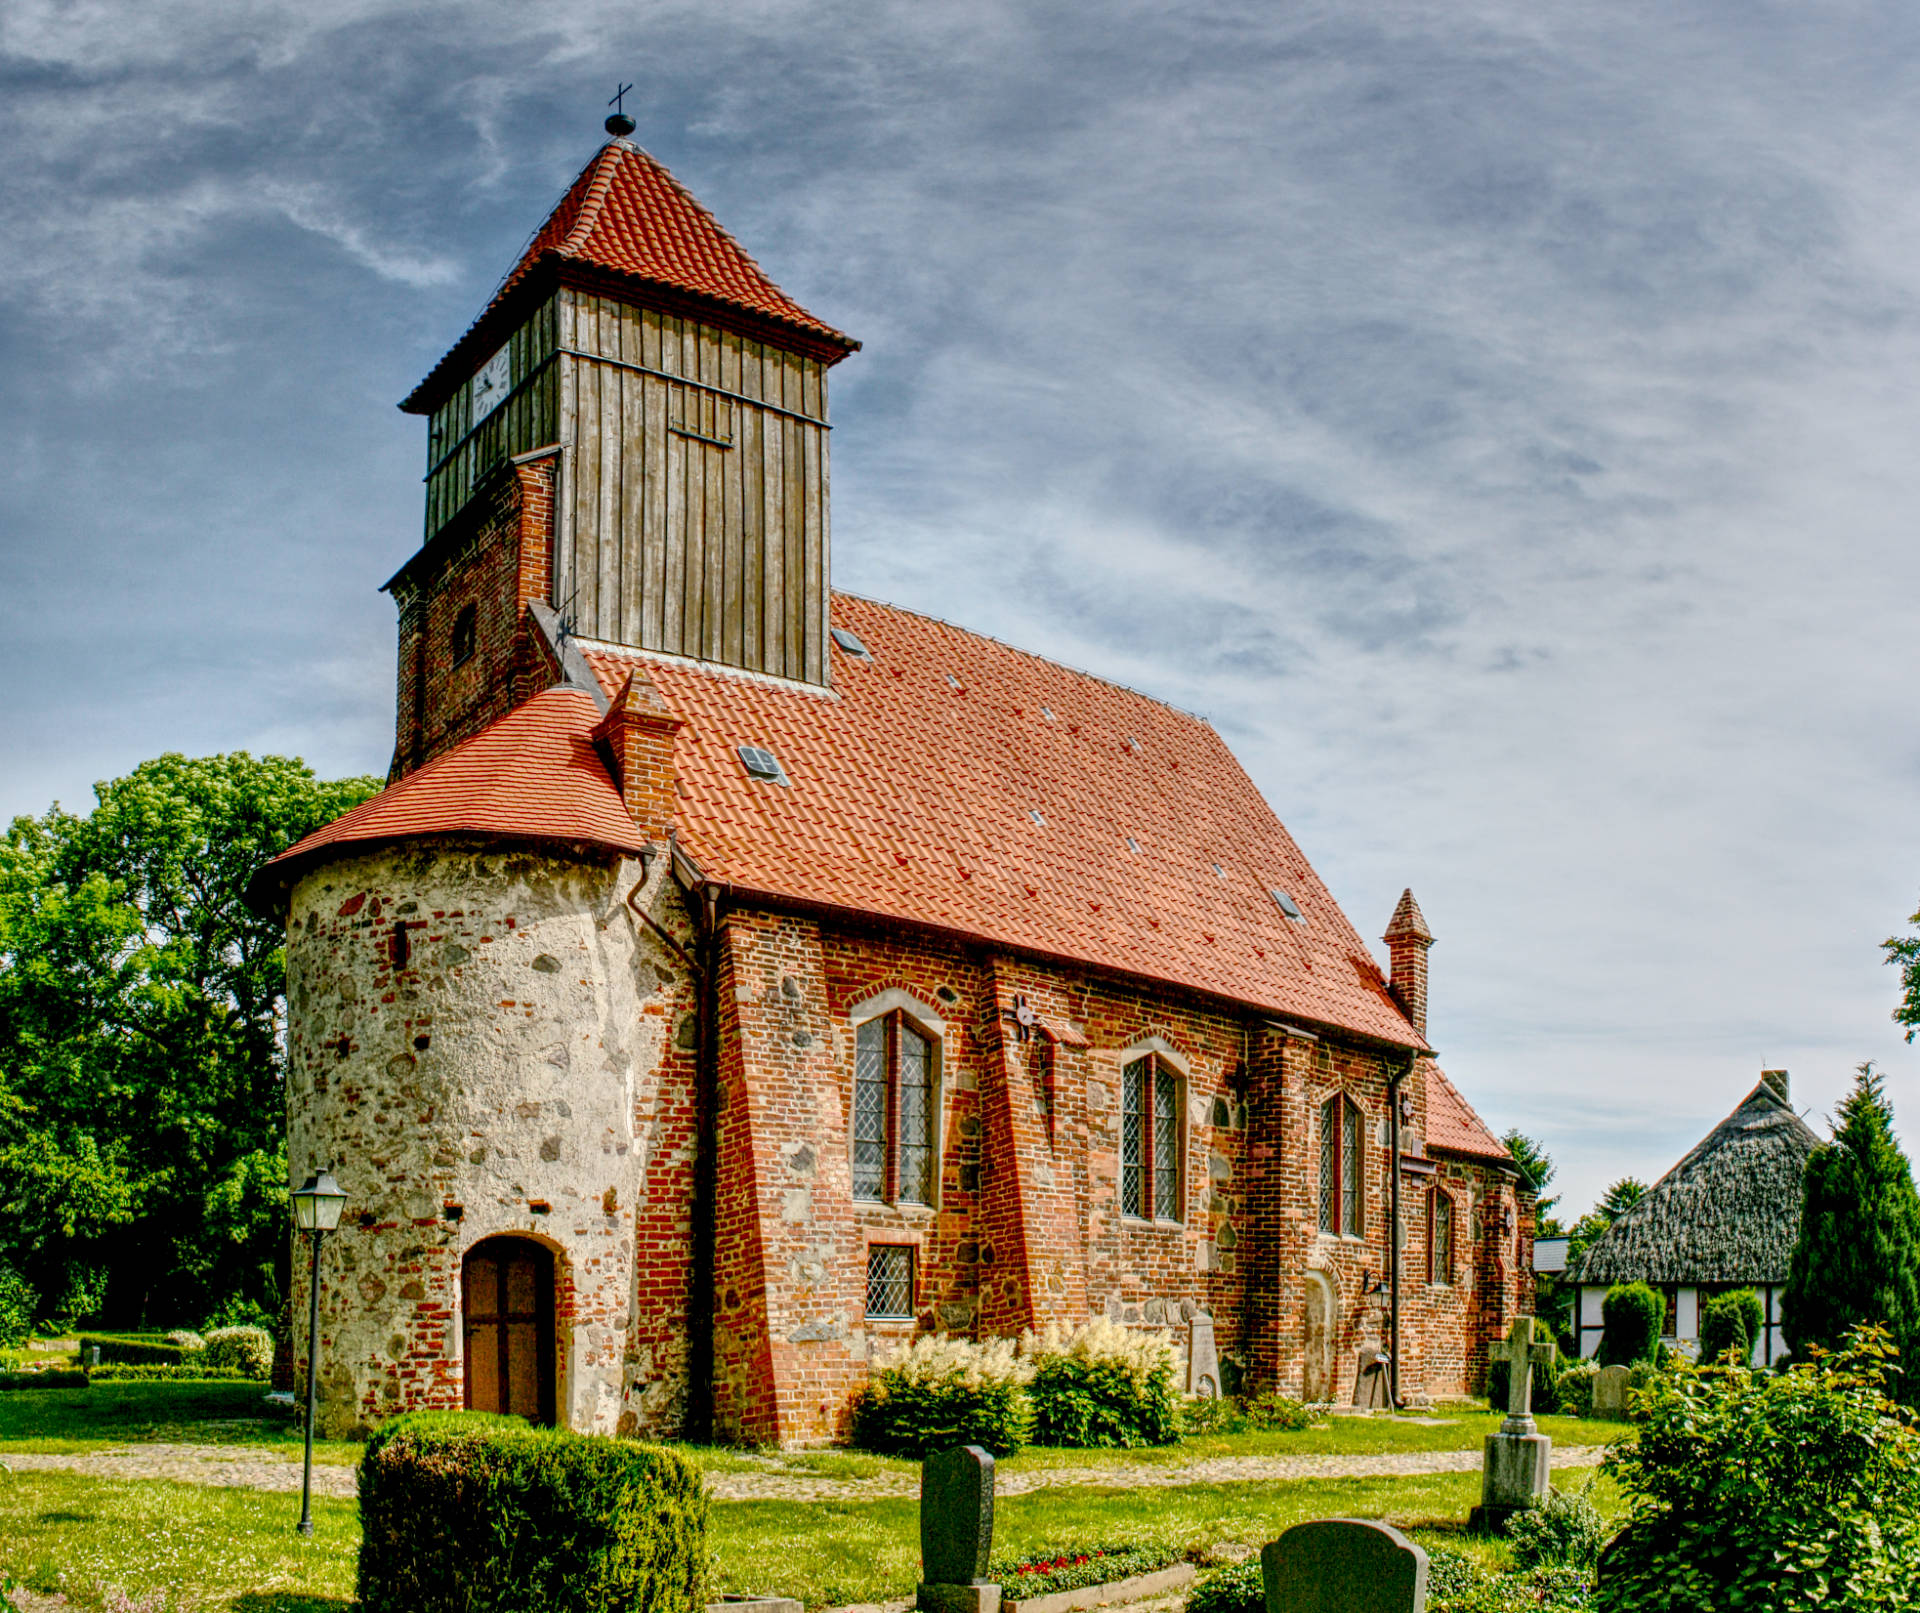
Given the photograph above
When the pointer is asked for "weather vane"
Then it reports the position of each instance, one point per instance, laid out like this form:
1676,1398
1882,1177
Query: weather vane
620,124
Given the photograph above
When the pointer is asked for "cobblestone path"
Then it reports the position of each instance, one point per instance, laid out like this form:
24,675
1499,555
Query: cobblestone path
255,1469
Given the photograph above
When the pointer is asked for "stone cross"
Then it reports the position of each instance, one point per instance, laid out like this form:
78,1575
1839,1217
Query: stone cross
1522,1355
1344,1565
956,1532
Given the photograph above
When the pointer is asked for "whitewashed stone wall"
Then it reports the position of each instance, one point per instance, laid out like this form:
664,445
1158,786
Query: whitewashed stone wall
515,1073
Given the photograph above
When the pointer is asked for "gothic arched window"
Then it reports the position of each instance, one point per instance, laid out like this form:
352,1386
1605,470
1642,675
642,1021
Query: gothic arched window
1343,1176
895,1105
1150,1140
1439,1237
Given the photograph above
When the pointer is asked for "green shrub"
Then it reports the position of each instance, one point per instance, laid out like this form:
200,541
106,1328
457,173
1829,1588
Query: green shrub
1574,1388
128,1351
237,1311
1458,1584
185,1339
1546,1380
1238,1588
1075,1568
939,1392
466,1513
17,1302
1771,1492
185,1372
1731,1321
1271,1412
1564,1531
1631,1316
247,1349
1102,1385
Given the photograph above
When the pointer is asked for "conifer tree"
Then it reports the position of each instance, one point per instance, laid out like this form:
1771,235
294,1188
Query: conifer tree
1858,1256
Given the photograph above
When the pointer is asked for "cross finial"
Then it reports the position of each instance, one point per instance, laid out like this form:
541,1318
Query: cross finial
620,124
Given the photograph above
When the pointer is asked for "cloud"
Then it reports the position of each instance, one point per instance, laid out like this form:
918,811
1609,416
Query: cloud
1496,417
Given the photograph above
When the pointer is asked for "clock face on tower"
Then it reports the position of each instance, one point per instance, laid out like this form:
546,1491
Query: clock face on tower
491,383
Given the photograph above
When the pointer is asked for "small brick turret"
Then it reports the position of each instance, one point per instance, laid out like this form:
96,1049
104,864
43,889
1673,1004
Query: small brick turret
636,736
1407,941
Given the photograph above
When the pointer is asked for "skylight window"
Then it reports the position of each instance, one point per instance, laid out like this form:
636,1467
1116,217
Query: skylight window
1219,872
1133,744
850,642
1132,844
952,681
763,764
1289,906
1034,813
1047,712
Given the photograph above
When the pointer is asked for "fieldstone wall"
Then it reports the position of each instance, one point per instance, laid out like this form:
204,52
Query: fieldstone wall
482,1041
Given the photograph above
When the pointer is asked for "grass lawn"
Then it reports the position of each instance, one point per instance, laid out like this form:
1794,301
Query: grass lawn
236,1550
106,1415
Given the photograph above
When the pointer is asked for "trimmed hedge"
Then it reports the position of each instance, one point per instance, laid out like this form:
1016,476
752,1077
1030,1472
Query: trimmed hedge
1631,1315
190,1373
131,1352
1730,1321
461,1512
43,1380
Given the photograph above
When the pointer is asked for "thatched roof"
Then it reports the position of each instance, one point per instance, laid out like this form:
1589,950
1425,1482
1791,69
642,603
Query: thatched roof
1727,1213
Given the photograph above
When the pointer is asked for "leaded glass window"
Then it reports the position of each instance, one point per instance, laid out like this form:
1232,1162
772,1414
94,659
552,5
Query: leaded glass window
890,1281
1166,1145
896,1112
870,1111
1439,1237
1150,1140
916,1115
1343,1177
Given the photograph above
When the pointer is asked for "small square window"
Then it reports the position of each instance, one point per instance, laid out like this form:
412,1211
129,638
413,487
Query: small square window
890,1282
763,764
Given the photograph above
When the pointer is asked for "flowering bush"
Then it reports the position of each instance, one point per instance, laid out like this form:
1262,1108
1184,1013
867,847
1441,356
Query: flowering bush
1077,1567
1102,1385
939,1392
250,1349
182,1338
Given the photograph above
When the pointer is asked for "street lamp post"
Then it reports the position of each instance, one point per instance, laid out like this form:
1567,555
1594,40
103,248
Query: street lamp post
316,1210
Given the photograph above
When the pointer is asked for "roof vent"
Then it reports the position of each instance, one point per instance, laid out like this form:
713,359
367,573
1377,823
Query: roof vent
952,681
1288,906
850,642
1034,813
1132,844
1219,872
763,764
1047,712
1133,745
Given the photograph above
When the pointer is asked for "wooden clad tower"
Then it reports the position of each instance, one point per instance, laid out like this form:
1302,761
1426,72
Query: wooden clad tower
682,399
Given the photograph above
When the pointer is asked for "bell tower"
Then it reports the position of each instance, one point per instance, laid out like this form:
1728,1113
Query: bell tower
654,409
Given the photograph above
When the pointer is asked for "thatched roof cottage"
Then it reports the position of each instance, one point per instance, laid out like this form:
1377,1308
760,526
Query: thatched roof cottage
1725,1217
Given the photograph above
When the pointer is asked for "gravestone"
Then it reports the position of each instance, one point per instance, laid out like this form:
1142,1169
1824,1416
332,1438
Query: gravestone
1370,1389
1518,1456
956,1533
1344,1565
1610,1392
1203,1361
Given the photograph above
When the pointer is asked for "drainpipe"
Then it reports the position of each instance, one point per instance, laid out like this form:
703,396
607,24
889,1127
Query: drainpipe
1393,1233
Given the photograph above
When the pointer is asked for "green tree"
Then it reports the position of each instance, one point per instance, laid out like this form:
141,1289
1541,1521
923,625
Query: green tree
1552,1298
1857,1260
142,1114
1903,952
1614,1203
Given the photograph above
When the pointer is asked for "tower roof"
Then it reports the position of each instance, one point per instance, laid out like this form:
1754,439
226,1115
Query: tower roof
627,223
1408,922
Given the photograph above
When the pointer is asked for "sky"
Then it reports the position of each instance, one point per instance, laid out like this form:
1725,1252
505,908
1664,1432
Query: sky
1497,418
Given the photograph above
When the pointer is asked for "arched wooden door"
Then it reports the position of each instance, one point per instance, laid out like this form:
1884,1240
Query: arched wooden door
506,1293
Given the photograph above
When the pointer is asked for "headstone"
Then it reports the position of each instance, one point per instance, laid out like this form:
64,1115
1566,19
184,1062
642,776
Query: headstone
1610,1392
1203,1361
1518,1455
94,1351
1370,1389
956,1532
1344,1565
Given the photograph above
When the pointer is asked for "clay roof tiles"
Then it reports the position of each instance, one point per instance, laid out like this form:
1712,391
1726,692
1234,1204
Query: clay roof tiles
932,786
1453,1127
627,216
534,775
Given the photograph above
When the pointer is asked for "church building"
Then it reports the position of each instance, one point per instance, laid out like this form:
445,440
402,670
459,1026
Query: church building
737,976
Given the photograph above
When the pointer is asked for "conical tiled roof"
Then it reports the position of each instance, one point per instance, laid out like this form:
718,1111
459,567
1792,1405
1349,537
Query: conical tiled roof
627,217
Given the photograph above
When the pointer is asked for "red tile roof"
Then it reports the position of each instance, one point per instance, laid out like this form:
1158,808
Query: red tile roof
1453,1126
626,216
933,786
533,775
